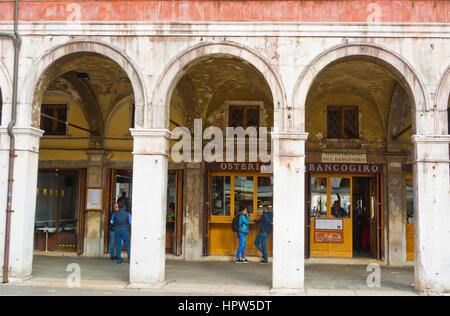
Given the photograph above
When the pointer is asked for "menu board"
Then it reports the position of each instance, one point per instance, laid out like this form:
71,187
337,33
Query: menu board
336,224
94,199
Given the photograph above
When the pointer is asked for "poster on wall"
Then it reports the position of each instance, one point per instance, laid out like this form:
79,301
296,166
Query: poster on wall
94,200
328,237
329,224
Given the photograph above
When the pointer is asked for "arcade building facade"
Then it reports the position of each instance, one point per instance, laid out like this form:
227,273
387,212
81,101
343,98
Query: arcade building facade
357,111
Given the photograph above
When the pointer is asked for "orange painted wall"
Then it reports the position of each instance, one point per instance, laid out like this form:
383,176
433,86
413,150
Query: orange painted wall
416,11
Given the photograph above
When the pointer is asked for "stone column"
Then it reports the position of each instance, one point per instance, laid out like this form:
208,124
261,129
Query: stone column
289,211
193,215
150,172
396,213
23,202
432,214
95,178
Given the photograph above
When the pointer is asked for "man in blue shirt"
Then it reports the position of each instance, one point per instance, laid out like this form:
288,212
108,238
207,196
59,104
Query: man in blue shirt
121,221
265,229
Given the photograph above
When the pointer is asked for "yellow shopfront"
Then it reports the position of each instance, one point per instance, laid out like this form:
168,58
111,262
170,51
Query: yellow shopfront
409,206
345,210
230,189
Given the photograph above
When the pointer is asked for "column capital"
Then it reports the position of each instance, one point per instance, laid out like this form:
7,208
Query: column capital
431,148
150,132
288,144
151,141
290,135
430,139
27,138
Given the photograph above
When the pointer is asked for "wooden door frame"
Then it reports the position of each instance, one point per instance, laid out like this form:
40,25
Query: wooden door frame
232,174
379,202
81,173
179,213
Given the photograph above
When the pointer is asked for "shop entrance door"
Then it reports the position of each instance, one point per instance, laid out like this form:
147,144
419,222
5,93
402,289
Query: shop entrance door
345,216
365,217
59,209
120,187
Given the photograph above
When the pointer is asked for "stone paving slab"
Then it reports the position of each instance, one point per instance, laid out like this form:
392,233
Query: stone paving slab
221,278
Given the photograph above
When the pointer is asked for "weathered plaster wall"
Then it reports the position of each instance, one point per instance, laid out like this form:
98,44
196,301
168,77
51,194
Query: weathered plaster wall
232,10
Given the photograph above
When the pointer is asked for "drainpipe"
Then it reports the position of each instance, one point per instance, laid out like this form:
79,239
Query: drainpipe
17,40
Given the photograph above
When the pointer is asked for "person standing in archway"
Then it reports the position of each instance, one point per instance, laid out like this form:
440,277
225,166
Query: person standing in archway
243,231
121,221
265,229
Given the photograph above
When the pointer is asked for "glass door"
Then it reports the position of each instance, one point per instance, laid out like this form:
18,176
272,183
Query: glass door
331,216
229,193
409,209
57,210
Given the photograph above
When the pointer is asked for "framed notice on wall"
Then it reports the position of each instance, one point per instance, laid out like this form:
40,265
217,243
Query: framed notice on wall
94,199
329,224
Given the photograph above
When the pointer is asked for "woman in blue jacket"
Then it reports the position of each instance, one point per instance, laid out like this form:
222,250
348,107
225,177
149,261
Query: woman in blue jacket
244,221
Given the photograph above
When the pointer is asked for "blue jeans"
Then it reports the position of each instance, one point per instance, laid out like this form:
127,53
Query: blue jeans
242,244
122,235
112,241
261,244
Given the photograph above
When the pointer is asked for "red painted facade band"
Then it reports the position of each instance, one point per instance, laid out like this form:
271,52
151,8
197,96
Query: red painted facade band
397,11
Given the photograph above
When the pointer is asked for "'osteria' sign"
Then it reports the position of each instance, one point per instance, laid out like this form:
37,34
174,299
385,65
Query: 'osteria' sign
344,158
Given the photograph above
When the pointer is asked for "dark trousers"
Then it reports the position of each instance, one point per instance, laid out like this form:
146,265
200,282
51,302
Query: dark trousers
261,244
112,241
122,236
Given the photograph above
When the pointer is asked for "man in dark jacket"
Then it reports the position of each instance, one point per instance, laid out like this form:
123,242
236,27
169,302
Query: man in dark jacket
265,229
121,221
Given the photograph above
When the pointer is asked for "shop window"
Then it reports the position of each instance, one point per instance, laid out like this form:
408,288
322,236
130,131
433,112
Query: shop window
221,195
243,194
265,193
409,203
54,118
340,197
244,116
57,201
342,122
319,197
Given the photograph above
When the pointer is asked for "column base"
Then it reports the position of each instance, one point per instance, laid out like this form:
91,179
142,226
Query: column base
18,279
284,292
147,286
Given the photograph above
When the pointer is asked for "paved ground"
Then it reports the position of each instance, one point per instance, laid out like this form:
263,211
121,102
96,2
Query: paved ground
101,276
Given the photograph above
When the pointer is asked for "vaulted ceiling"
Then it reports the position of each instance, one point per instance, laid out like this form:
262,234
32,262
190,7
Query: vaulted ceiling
357,77
206,86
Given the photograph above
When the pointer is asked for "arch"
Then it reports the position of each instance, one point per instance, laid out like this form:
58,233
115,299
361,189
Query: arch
6,93
442,99
159,115
36,81
405,73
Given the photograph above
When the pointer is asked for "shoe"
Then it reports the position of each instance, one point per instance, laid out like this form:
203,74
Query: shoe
244,260
238,261
264,262
113,258
119,262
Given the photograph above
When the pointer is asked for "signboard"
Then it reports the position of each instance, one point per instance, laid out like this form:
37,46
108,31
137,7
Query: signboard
344,168
328,224
94,199
323,237
240,167
344,157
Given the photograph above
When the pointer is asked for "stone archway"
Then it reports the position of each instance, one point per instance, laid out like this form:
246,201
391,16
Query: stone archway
442,103
431,168
398,66
39,76
6,94
158,115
